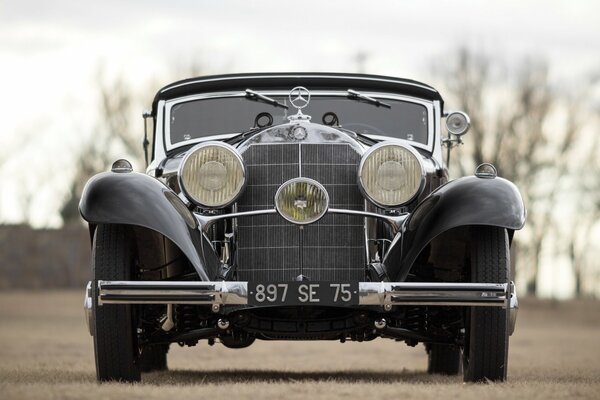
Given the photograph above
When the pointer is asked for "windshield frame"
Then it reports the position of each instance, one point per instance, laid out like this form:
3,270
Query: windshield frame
169,146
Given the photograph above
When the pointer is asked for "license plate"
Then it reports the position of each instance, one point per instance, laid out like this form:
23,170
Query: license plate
303,293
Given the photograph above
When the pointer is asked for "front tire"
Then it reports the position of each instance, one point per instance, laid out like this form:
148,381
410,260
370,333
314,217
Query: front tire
443,359
115,336
485,352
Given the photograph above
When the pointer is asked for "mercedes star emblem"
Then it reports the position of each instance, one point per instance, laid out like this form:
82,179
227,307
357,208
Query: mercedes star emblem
299,97
298,133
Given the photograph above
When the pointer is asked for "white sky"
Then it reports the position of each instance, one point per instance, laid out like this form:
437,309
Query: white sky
50,52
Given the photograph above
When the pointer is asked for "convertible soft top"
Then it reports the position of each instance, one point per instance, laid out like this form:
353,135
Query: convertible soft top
286,81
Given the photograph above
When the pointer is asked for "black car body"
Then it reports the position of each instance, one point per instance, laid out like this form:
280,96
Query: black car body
306,206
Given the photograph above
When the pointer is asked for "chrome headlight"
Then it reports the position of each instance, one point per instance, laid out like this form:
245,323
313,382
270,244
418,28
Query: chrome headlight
391,175
458,123
301,201
212,174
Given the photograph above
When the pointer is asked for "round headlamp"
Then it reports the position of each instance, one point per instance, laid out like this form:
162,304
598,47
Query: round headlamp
301,201
212,174
458,123
391,175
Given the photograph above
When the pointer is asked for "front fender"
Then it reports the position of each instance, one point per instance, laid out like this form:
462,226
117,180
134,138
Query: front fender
461,202
140,200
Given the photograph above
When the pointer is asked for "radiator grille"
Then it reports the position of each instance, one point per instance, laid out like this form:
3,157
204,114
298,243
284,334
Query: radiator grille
272,249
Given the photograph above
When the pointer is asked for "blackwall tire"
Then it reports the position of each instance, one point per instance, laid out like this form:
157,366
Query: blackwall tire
443,359
115,336
485,353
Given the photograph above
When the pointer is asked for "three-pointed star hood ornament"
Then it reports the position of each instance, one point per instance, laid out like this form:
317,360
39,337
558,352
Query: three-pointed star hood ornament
299,98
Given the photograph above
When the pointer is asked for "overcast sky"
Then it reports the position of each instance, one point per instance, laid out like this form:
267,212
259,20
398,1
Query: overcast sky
50,52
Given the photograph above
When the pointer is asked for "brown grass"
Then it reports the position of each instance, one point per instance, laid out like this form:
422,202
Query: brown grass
46,353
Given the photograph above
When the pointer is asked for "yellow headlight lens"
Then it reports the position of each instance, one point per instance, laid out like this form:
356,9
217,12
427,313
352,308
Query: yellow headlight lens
301,201
212,174
391,175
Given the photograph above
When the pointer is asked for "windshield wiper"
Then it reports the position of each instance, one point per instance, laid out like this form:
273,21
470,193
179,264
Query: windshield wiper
353,94
252,95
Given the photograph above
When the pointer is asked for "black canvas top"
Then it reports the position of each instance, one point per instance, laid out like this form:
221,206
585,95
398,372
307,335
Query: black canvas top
286,81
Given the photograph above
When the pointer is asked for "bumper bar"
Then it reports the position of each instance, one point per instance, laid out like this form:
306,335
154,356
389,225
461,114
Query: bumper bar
369,293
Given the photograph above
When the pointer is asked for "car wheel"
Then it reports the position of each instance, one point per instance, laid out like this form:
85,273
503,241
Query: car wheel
443,359
115,335
154,358
485,351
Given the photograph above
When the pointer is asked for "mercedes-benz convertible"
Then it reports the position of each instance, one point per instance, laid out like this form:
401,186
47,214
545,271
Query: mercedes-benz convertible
305,206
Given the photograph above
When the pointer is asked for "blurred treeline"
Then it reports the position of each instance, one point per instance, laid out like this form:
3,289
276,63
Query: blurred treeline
44,258
543,136
540,134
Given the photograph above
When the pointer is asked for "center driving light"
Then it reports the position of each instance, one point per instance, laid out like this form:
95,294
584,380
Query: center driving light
301,201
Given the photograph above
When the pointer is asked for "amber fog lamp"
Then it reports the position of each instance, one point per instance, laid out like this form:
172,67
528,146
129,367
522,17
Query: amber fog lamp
212,175
458,123
391,175
301,201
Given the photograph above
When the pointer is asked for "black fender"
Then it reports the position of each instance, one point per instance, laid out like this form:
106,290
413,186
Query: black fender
465,201
140,200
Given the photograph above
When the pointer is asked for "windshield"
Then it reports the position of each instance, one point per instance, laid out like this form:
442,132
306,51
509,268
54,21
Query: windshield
216,116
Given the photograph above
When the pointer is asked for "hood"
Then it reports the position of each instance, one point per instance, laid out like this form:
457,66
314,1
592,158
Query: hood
301,132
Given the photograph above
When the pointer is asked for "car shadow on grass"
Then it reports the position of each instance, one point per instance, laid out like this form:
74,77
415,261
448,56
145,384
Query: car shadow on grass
177,377
230,376
191,377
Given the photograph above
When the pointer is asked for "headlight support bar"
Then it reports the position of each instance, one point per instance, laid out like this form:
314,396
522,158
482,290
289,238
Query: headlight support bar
395,221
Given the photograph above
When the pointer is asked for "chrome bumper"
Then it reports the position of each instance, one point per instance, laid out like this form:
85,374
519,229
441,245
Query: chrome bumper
370,293
87,308
386,294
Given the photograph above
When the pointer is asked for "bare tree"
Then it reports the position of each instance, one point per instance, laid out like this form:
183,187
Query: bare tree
112,135
115,133
510,127
587,189
12,152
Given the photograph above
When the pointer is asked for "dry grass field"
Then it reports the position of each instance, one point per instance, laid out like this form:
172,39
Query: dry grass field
45,353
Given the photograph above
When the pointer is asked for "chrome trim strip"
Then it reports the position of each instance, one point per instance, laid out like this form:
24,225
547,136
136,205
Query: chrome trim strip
370,293
459,294
88,307
206,221
300,165
513,309
437,132
160,147
395,221
171,292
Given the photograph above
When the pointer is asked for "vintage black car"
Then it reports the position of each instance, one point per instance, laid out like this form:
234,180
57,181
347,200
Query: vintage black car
309,206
